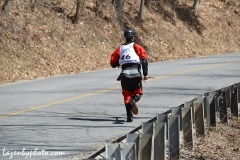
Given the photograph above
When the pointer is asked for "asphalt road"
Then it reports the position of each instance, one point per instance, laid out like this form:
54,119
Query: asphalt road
71,114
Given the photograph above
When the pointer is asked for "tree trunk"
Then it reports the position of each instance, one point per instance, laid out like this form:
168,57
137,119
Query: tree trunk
195,7
141,9
201,2
7,7
119,7
80,5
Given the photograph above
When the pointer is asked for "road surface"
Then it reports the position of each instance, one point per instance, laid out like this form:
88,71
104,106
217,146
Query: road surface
57,118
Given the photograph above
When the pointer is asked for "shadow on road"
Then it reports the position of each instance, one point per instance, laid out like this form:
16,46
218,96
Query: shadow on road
115,120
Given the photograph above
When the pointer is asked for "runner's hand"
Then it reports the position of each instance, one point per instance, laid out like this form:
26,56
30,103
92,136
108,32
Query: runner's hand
145,78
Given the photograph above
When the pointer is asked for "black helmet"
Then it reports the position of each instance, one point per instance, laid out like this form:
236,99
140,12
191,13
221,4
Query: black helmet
128,33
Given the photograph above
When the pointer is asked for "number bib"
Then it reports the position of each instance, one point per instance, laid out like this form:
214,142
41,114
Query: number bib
128,54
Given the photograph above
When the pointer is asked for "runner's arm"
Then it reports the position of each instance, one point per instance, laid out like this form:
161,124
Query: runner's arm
143,58
115,58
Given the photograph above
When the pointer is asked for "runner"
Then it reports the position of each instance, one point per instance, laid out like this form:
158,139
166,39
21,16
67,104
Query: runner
131,57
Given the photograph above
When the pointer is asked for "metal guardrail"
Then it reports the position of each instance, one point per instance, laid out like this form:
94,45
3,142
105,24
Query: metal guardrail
160,137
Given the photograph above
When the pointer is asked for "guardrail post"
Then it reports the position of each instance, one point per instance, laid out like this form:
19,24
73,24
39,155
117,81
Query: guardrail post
190,104
174,136
199,117
177,111
133,138
145,147
187,126
159,141
228,97
211,119
113,150
147,127
223,108
238,88
206,105
234,101
208,109
163,118
217,95
128,151
201,99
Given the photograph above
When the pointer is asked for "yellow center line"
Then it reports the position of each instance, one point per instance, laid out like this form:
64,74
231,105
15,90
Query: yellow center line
107,90
197,69
58,102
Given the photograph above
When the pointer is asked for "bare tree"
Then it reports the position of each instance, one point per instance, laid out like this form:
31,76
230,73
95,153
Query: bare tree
196,5
141,9
119,4
119,8
80,5
7,7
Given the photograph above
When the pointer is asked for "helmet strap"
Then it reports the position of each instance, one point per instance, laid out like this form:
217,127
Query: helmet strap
130,39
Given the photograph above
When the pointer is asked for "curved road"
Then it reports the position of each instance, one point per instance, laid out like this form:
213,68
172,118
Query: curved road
71,114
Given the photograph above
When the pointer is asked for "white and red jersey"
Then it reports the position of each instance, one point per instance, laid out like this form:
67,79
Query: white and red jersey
139,50
130,57
128,54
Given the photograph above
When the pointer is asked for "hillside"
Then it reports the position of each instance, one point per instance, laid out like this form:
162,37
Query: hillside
41,41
